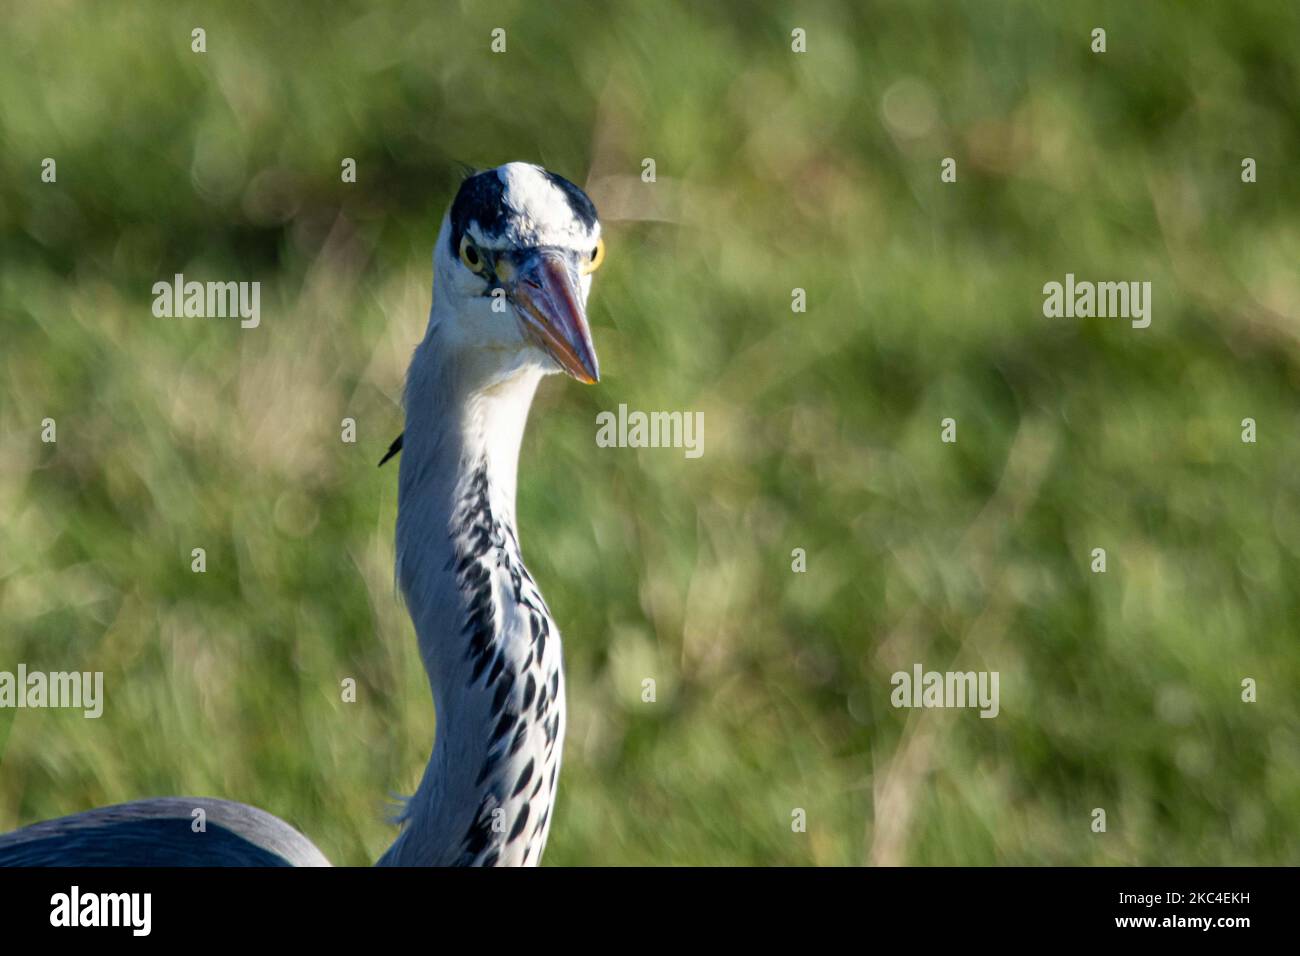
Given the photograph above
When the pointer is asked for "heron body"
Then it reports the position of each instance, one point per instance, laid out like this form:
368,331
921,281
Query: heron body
163,832
512,271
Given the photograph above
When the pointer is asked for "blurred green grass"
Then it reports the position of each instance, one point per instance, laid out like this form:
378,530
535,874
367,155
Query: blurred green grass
775,171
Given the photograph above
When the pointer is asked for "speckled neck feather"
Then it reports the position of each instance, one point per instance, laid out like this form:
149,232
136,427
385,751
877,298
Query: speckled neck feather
487,639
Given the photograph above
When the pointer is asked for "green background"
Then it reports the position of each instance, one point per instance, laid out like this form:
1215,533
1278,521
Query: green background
775,170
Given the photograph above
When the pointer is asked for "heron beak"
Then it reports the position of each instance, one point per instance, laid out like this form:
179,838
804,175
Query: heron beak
549,305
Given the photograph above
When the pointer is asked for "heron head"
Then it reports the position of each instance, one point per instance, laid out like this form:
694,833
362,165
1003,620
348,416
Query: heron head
513,266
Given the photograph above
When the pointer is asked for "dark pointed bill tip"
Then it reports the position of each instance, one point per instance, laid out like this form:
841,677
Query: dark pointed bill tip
546,298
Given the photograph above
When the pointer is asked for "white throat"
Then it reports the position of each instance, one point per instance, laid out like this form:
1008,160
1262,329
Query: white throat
486,637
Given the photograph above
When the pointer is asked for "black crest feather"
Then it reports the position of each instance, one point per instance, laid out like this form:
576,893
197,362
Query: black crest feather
393,449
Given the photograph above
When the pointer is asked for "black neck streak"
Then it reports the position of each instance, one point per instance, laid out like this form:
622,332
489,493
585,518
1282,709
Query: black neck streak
524,682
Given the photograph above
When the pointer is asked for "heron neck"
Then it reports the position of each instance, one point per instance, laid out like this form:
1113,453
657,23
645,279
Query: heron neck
477,615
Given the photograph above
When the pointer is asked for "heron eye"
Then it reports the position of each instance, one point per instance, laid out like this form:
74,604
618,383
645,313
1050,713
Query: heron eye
469,255
596,257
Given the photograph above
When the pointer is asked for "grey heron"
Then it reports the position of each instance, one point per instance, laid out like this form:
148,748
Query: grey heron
513,266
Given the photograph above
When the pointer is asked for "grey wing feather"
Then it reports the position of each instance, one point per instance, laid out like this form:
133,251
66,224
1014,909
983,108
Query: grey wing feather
162,832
